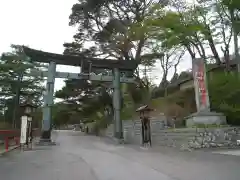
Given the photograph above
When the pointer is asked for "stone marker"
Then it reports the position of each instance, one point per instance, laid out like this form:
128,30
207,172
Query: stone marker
203,114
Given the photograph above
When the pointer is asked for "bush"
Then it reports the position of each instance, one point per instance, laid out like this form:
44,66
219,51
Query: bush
224,95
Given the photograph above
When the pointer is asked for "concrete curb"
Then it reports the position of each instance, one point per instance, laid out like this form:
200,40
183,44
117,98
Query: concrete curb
9,150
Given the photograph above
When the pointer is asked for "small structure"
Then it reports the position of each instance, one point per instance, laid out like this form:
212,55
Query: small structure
145,120
26,123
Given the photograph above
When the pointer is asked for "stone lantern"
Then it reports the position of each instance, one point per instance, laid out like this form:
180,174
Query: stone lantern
145,122
26,122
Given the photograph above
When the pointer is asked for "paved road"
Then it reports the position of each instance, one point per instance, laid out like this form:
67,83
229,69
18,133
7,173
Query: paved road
80,157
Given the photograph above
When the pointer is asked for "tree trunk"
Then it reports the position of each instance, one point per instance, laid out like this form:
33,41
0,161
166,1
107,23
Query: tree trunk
212,46
235,38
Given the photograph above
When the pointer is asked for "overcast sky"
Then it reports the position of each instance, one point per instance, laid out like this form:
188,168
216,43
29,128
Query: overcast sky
42,25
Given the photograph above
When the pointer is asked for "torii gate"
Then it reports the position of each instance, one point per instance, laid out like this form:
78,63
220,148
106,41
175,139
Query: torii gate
88,65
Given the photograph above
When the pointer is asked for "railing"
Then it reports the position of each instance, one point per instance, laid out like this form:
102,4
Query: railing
8,136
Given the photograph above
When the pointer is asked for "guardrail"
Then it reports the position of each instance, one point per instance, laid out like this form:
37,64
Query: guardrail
8,136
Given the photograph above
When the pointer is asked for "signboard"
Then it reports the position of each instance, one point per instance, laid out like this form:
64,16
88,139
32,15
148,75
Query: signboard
23,137
200,85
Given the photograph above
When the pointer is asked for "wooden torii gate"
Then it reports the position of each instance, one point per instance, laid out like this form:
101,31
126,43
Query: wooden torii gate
88,66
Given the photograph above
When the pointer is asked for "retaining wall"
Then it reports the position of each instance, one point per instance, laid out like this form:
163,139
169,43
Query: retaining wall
182,138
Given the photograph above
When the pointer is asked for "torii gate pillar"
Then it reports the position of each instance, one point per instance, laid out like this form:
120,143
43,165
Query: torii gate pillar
118,130
48,103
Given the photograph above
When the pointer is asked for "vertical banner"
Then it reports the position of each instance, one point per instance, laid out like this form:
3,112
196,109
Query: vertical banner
24,123
200,85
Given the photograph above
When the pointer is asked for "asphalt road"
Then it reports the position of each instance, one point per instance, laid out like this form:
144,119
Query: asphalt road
79,157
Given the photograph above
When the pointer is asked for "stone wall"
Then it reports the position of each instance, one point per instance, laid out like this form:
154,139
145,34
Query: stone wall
197,138
182,138
215,137
132,129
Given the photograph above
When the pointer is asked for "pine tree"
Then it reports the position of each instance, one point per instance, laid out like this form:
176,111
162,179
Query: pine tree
16,84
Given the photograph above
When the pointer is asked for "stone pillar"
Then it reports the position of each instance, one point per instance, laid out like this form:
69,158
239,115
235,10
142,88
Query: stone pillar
48,103
200,85
117,104
203,114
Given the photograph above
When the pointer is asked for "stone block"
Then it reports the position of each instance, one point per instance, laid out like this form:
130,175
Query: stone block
206,118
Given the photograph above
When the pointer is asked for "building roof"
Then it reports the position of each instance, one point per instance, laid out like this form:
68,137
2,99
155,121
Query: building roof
46,57
144,108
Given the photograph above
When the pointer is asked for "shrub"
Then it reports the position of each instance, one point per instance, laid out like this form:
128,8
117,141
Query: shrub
224,95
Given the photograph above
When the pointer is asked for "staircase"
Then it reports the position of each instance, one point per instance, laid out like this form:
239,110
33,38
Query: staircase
132,130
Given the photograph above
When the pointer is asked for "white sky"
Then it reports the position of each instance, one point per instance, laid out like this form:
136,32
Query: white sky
43,25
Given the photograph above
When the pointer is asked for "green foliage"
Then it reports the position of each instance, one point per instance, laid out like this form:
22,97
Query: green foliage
113,19
120,33
14,69
15,84
233,4
146,31
224,89
82,101
60,114
224,92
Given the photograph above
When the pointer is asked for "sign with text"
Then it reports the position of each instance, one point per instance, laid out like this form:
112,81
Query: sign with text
200,84
23,137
